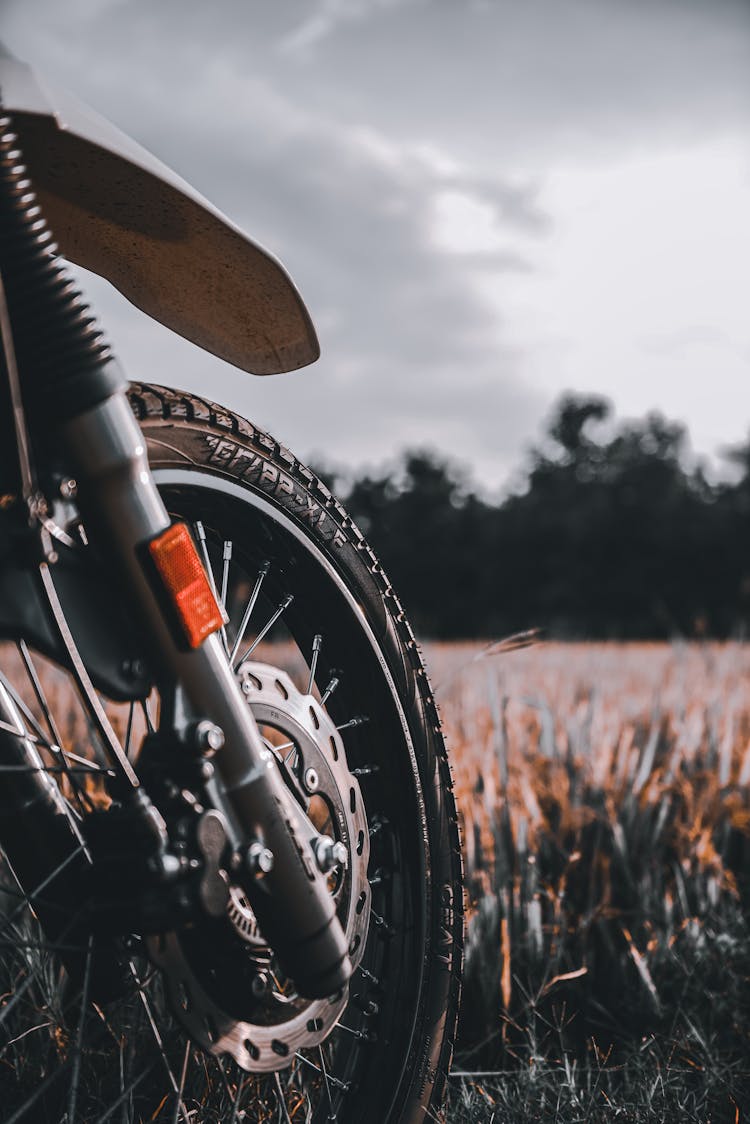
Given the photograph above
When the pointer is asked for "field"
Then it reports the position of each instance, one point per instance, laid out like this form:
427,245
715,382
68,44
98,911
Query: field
604,798
603,792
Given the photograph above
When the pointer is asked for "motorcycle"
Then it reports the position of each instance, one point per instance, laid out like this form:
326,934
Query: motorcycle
230,872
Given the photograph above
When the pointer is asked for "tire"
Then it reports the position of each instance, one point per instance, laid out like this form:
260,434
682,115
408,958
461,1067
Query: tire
181,430
389,1054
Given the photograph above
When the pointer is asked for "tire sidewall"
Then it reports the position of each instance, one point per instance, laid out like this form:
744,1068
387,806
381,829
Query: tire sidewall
183,431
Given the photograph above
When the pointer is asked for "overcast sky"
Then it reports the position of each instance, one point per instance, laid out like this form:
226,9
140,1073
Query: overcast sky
483,202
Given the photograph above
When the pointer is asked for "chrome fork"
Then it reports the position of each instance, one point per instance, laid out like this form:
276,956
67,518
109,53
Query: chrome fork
123,510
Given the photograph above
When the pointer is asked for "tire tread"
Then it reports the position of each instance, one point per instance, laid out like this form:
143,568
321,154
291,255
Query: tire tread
151,403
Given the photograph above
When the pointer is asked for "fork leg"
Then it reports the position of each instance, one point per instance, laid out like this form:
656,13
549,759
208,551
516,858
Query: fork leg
122,510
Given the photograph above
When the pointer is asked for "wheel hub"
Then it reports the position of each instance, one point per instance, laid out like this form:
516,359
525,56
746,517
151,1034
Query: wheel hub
222,979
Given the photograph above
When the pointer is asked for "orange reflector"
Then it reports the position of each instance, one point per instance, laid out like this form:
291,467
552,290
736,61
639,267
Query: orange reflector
181,570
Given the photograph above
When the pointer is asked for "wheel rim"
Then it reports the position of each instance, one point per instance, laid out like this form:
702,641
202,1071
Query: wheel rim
319,1083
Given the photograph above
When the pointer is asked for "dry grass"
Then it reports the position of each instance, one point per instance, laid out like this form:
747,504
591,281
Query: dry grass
603,791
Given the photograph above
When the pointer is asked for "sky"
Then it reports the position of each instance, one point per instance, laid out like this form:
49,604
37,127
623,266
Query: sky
484,203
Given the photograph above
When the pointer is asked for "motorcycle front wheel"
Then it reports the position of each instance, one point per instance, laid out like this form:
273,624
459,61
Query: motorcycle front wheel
329,661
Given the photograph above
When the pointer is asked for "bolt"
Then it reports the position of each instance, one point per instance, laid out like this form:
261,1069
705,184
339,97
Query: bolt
246,686
311,780
207,737
68,488
259,860
165,866
207,770
329,854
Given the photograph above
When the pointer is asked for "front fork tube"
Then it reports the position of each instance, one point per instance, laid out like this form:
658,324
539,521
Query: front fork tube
122,510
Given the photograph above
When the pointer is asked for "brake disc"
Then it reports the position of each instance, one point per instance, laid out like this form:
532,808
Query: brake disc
262,1025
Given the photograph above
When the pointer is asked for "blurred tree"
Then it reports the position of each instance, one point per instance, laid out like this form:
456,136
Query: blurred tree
425,525
616,534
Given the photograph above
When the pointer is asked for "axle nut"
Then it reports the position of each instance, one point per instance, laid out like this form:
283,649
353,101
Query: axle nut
329,854
208,737
259,860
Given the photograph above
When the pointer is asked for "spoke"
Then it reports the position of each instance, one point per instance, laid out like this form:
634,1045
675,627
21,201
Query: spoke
266,627
73,1095
226,560
179,1107
236,1101
236,1097
12,892
361,1034
329,690
249,611
382,925
127,1061
331,1114
40,737
21,990
333,1080
317,645
129,730
281,1099
365,771
358,720
86,765
39,691
141,985
149,724
369,976
89,766
88,695
223,1072
28,898
66,769
201,533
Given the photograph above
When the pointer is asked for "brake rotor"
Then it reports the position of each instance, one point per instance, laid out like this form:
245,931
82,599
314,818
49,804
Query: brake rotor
224,984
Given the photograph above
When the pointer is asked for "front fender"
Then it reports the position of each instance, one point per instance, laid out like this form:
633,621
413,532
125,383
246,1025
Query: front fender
118,211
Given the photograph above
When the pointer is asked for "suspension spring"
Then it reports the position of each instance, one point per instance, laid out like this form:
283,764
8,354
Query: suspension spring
57,340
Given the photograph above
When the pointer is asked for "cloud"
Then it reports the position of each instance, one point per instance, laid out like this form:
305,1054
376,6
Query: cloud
325,19
398,156
510,82
409,342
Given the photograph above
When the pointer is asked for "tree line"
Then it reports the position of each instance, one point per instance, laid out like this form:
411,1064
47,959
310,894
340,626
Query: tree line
615,533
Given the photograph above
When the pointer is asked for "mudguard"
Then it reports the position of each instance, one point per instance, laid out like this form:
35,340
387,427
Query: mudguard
118,211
